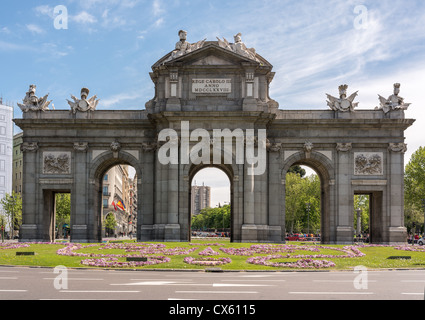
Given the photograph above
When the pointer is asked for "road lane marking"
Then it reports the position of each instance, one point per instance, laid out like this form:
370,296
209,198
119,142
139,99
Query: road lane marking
240,285
220,292
332,293
78,279
97,291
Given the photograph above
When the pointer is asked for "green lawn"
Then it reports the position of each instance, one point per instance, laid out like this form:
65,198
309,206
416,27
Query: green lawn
376,257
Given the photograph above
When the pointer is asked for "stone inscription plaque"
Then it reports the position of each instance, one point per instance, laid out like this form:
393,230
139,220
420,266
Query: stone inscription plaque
212,86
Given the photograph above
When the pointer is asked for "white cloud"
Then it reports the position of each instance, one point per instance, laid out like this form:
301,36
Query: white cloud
84,18
157,8
45,10
34,29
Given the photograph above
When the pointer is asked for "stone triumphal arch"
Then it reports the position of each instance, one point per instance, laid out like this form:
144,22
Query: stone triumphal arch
209,86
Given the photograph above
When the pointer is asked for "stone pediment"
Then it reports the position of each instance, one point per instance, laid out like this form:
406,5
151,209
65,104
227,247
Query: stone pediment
211,54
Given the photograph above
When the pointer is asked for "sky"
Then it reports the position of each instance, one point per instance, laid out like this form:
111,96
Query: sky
109,46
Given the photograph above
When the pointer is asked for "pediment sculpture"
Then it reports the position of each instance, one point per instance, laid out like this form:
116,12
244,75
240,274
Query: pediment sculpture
238,47
32,103
83,104
394,102
343,103
183,47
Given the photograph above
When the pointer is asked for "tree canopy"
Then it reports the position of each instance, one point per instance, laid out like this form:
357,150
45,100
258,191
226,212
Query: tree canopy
414,180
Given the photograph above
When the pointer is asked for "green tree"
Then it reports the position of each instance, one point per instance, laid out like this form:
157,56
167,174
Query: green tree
414,180
302,201
297,170
12,209
110,223
63,211
212,218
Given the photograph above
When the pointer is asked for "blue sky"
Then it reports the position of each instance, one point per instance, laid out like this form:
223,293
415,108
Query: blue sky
314,46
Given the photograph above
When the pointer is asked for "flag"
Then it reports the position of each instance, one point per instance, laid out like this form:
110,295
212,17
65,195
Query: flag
121,205
115,206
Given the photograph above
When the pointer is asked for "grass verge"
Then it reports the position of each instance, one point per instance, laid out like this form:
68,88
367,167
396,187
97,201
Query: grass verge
372,257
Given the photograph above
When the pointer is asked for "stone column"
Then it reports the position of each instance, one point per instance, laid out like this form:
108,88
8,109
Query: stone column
83,225
145,196
344,223
275,194
397,231
30,215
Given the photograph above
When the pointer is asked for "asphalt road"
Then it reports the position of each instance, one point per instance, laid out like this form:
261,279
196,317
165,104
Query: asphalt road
18,283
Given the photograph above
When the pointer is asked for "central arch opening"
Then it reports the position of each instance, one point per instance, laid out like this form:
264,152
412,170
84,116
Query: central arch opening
314,208
119,202
210,196
303,204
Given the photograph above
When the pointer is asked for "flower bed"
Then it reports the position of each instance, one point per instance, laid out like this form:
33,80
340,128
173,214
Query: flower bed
411,248
9,245
207,261
350,251
208,252
301,264
114,263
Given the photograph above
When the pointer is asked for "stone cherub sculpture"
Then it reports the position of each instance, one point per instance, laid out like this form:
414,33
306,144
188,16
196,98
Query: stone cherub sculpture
83,104
183,47
394,102
238,47
343,104
32,103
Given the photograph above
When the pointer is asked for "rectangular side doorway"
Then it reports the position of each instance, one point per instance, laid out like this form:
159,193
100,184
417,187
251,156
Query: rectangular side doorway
370,203
57,210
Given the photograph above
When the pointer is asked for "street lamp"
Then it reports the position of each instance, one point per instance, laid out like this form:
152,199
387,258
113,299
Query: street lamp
13,214
423,203
308,217
359,221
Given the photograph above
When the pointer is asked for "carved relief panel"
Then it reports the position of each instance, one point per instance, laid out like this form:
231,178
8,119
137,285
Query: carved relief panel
369,164
56,162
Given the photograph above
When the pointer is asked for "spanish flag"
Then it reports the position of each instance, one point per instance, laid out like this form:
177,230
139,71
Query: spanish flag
121,205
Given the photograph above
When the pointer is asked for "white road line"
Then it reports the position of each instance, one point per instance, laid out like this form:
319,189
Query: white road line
78,279
220,292
342,281
413,281
240,285
332,293
8,278
413,293
252,280
13,290
153,283
96,291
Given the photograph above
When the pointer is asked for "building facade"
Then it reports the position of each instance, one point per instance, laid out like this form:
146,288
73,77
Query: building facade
200,198
6,148
205,93
17,163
